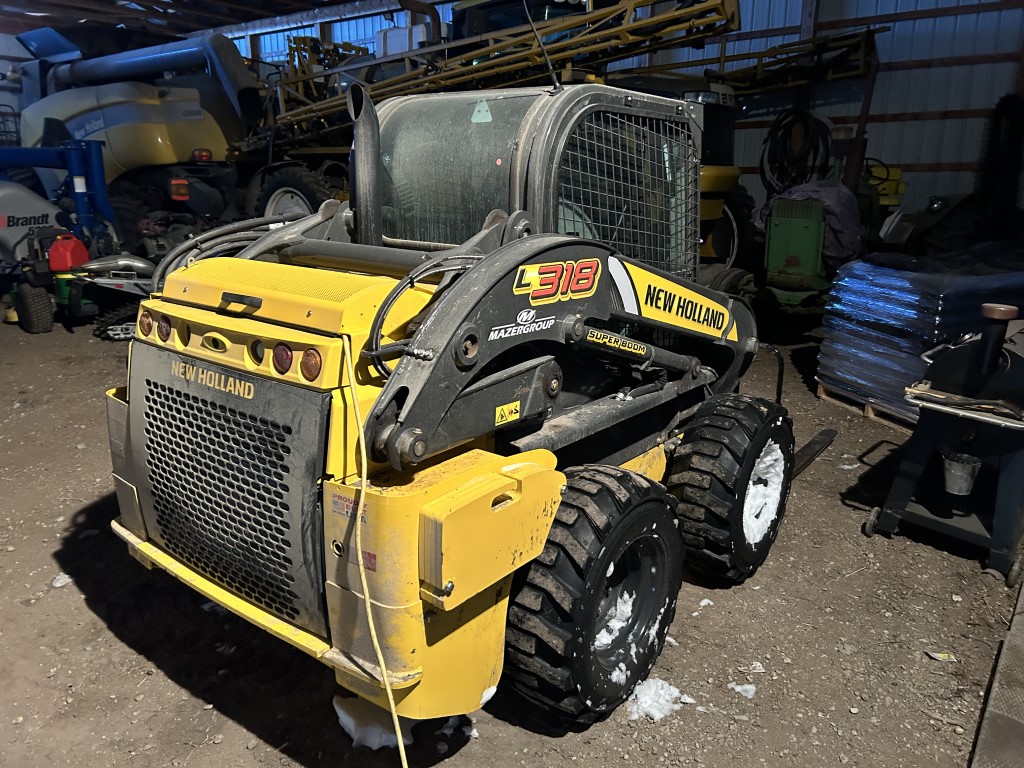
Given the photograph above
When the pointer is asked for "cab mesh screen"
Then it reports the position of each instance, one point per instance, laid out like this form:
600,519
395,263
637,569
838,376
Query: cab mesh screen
632,182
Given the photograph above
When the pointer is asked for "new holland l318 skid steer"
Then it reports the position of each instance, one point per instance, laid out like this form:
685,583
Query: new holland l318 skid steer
433,454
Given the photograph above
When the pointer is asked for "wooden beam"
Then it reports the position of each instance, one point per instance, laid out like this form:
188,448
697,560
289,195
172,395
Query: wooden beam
894,117
905,167
951,61
809,19
1020,73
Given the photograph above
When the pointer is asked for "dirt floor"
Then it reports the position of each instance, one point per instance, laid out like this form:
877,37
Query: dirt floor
107,664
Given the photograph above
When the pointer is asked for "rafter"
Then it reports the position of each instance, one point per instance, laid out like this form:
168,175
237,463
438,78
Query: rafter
174,16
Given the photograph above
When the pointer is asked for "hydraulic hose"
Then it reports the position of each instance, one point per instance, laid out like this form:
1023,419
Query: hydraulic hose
197,242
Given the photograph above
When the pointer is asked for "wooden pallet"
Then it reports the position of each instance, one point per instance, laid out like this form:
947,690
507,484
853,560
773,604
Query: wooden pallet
866,408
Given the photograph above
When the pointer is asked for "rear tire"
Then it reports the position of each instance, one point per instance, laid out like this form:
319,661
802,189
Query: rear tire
35,309
291,189
128,212
613,553
732,474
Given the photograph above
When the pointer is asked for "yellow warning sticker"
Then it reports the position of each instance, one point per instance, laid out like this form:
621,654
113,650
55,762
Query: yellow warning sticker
506,413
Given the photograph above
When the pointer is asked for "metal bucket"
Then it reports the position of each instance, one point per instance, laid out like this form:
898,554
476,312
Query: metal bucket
960,471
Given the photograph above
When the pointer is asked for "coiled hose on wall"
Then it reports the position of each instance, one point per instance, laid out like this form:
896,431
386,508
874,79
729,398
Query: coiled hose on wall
796,147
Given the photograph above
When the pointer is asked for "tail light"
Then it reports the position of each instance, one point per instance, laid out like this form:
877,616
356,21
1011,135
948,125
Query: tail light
282,358
145,323
163,328
179,189
202,155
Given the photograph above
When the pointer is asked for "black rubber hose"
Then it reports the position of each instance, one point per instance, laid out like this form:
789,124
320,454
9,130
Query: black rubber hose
226,229
796,146
374,349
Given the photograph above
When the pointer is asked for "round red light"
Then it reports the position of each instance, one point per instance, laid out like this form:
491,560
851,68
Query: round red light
145,323
163,328
310,364
282,358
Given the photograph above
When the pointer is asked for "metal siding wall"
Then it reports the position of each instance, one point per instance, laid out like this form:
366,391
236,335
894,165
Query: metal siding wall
274,45
934,90
770,15
361,31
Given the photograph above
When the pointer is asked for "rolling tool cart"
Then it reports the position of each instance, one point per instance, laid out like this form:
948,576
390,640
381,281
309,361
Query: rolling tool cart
962,470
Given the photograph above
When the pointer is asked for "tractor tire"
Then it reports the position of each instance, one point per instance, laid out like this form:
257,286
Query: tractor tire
733,236
117,324
291,189
735,281
589,616
35,309
732,473
128,212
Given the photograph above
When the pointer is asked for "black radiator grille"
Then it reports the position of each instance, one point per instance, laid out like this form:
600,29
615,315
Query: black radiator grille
219,479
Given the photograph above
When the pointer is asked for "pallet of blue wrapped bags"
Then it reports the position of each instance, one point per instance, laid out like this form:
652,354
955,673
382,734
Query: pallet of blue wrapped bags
886,310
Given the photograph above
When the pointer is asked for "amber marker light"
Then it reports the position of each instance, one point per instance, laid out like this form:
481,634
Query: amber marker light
310,364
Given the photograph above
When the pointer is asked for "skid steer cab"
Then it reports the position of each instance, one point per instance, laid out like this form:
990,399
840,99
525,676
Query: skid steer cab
469,427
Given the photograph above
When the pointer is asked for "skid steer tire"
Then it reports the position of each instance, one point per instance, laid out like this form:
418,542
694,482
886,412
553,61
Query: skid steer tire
35,309
291,189
732,473
614,550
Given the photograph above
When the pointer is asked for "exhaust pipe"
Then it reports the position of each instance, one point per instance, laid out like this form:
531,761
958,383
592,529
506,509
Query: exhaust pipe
364,164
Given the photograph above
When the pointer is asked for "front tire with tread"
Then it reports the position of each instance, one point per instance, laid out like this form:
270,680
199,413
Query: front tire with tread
614,550
732,474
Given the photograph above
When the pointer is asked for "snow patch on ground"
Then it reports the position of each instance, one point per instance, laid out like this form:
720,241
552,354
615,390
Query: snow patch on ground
655,699
747,690
618,619
705,603
449,727
368,725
